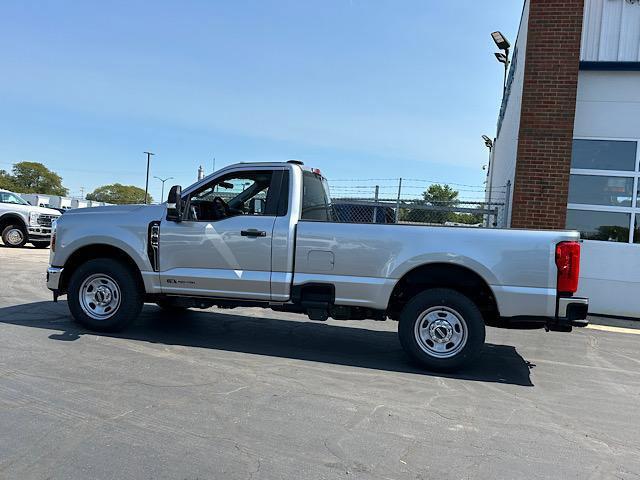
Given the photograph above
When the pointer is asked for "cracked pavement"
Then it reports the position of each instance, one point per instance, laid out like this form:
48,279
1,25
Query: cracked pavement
251,393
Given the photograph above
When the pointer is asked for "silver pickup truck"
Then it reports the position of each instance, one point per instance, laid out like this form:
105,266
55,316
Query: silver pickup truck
263,234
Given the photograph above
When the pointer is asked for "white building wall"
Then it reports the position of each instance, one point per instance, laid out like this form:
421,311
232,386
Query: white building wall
611,31
503,161
608,106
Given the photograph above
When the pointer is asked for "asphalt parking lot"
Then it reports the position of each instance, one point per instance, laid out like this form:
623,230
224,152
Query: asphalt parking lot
251,393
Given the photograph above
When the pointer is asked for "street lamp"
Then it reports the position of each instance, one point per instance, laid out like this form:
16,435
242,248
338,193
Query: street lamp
162,180
503,44
489,144
146,185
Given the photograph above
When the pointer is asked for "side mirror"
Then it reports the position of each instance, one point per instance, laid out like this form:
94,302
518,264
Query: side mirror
174,204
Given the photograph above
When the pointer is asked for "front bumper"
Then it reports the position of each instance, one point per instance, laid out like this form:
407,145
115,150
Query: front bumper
41,234
53,278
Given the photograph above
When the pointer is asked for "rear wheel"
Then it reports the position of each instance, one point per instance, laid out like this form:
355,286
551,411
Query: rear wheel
14,236
104,295
441,329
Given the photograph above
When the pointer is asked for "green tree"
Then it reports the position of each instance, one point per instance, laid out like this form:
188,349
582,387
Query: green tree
437,195
6,180
32,177
119,194
440,194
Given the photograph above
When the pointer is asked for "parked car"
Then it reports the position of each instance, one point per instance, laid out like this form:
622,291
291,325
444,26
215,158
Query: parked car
274,243
22,223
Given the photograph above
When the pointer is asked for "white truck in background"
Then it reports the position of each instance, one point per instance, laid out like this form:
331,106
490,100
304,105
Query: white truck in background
22,223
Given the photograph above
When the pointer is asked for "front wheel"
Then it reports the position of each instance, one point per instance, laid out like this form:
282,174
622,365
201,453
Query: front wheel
14,236
441,329
104,295
41,244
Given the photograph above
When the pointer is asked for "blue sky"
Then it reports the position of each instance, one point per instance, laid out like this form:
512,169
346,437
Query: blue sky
360,89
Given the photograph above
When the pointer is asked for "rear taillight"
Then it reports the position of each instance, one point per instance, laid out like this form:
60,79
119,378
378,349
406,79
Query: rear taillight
568,263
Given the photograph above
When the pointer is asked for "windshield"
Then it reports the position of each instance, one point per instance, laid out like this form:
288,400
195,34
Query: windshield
8,197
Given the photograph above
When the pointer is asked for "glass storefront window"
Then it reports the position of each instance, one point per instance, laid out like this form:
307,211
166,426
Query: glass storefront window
595,225
600,190
604,155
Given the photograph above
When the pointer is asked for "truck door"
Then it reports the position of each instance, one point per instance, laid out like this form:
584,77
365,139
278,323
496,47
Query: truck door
222,248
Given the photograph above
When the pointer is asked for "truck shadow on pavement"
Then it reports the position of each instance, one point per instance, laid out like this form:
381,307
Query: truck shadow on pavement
301,340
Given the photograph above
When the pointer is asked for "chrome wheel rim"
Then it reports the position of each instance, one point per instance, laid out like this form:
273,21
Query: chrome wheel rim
15,236
99,296
441,332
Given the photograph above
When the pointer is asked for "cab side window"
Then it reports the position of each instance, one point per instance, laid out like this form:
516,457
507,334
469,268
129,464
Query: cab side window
240,193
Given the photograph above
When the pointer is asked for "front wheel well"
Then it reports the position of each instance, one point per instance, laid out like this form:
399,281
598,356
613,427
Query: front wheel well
90,252
444,275
11,219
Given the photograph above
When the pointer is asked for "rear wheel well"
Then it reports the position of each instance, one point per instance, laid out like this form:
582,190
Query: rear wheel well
90,252
444,275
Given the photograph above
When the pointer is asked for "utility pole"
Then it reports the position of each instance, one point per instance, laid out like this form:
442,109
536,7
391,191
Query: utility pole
82,192
162,180
146,185
214,165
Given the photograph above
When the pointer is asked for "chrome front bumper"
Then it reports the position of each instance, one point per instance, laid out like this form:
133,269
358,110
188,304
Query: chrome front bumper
53,278
41,233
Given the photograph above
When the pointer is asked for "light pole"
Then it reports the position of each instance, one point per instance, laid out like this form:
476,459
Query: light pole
503,44
489,144
162,180
146,185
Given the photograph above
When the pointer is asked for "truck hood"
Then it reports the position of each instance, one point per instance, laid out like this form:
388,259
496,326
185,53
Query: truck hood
26,209
45,211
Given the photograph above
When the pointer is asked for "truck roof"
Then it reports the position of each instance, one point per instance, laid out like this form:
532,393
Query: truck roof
288,164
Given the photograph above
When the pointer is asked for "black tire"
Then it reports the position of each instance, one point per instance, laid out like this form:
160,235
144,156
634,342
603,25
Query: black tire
456,317
9,236
128,293
41,244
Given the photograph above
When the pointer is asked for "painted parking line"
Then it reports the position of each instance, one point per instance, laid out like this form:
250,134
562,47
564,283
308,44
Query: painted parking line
606,328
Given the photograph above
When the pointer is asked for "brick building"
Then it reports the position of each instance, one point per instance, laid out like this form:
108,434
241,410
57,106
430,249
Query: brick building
568,138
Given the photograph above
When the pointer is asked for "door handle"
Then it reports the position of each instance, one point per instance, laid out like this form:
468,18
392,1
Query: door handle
252,232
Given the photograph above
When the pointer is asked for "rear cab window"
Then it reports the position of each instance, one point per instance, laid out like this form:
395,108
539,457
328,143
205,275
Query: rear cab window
316,202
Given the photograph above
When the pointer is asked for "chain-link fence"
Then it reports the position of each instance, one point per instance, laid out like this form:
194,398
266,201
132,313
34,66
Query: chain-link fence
418,202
